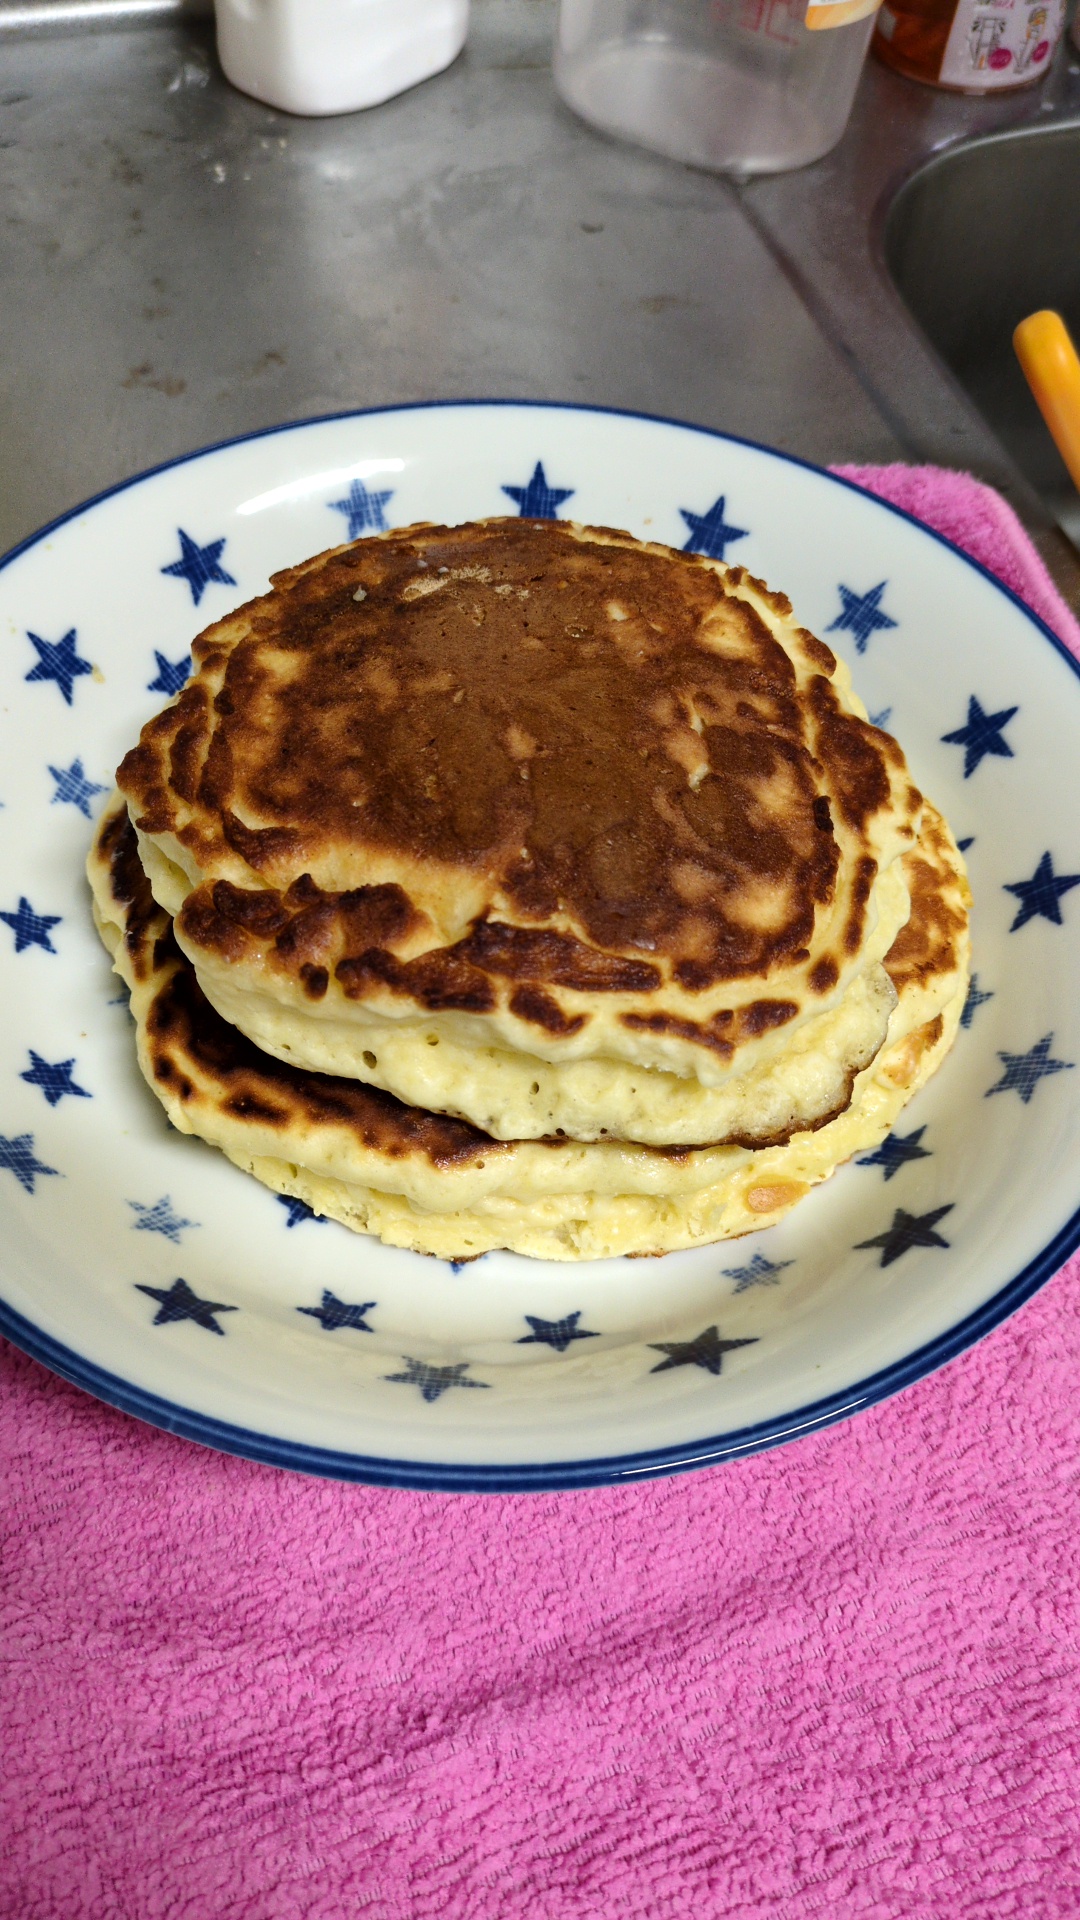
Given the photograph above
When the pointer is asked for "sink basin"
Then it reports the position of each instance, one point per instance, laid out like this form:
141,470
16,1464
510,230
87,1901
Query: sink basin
981,235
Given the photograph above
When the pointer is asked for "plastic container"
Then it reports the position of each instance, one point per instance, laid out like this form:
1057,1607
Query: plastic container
970,46
740,86
333,56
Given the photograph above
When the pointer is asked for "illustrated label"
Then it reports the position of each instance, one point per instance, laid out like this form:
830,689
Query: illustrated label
1000,43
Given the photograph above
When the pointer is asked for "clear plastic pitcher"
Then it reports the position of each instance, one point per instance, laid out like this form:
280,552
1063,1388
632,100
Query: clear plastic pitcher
745,86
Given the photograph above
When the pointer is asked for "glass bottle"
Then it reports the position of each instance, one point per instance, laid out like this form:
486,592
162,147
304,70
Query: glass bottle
970,46
747,86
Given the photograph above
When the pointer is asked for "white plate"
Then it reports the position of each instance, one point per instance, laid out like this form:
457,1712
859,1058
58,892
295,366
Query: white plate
509,1373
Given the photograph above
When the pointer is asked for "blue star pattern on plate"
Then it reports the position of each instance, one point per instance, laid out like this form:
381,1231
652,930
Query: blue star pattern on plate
1040,895
363,509
705,1350
73,787
555,1333
982,734
861,615
199,565
758,1273
333,1313
433,1381
1023,1071
963,845
882,718
297,1210
54,1080
896,1151
31,929
178,1302
160,1218
710,533
538,501
909,1230
18,1157
171,675
58,660
976,998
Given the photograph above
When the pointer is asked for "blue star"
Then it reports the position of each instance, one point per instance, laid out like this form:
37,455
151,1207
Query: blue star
909,1230
58,660
171,674
73,787
538,501
981,735
896,1151
364,509
334,1313
178,1302
706,1350
1023,1071
861,615
709,532
975,999
18,1157
881,719
199,565
160,1218
759,1273
31,929
555,1333
963,845
297,1210
433,1381
54,1081
1041,893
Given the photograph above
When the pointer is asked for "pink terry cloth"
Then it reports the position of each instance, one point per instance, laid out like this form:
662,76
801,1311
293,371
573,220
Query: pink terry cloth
836,1681
976,518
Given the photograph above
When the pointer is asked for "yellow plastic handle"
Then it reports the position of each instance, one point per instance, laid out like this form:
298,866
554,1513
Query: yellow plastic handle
1046,353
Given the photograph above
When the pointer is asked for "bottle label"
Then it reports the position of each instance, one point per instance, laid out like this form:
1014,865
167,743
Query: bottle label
839,13
778,20
1000,43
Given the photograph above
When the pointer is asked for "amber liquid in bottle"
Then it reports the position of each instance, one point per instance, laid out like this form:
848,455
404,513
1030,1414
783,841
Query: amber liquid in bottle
916,33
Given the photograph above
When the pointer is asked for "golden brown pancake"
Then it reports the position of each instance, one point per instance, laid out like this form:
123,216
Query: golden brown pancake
539,789
438,1185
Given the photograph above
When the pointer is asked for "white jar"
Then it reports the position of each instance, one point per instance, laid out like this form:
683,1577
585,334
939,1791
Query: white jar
743,86
333,56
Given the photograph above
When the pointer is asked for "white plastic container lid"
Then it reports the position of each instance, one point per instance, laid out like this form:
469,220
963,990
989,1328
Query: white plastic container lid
334,56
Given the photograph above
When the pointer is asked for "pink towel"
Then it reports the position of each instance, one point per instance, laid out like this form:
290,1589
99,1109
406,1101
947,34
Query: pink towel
838,1681
979,520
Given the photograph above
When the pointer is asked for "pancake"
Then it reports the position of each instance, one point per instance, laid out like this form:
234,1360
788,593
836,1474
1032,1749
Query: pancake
501,817
438,1185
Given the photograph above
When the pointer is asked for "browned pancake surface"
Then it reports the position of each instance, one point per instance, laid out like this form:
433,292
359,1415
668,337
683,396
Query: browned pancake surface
591,730
197,1058
927,945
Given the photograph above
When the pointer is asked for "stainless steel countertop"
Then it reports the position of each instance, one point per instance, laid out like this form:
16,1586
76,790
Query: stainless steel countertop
180,264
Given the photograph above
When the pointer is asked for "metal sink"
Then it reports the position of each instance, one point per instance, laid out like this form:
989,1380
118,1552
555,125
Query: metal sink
979,236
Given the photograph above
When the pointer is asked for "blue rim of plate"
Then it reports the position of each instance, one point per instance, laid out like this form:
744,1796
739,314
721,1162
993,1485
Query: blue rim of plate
545,1476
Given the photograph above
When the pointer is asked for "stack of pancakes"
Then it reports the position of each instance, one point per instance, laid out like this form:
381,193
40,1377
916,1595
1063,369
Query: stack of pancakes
522,885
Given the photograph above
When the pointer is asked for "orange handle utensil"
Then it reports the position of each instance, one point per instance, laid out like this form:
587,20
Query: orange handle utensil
1046,353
